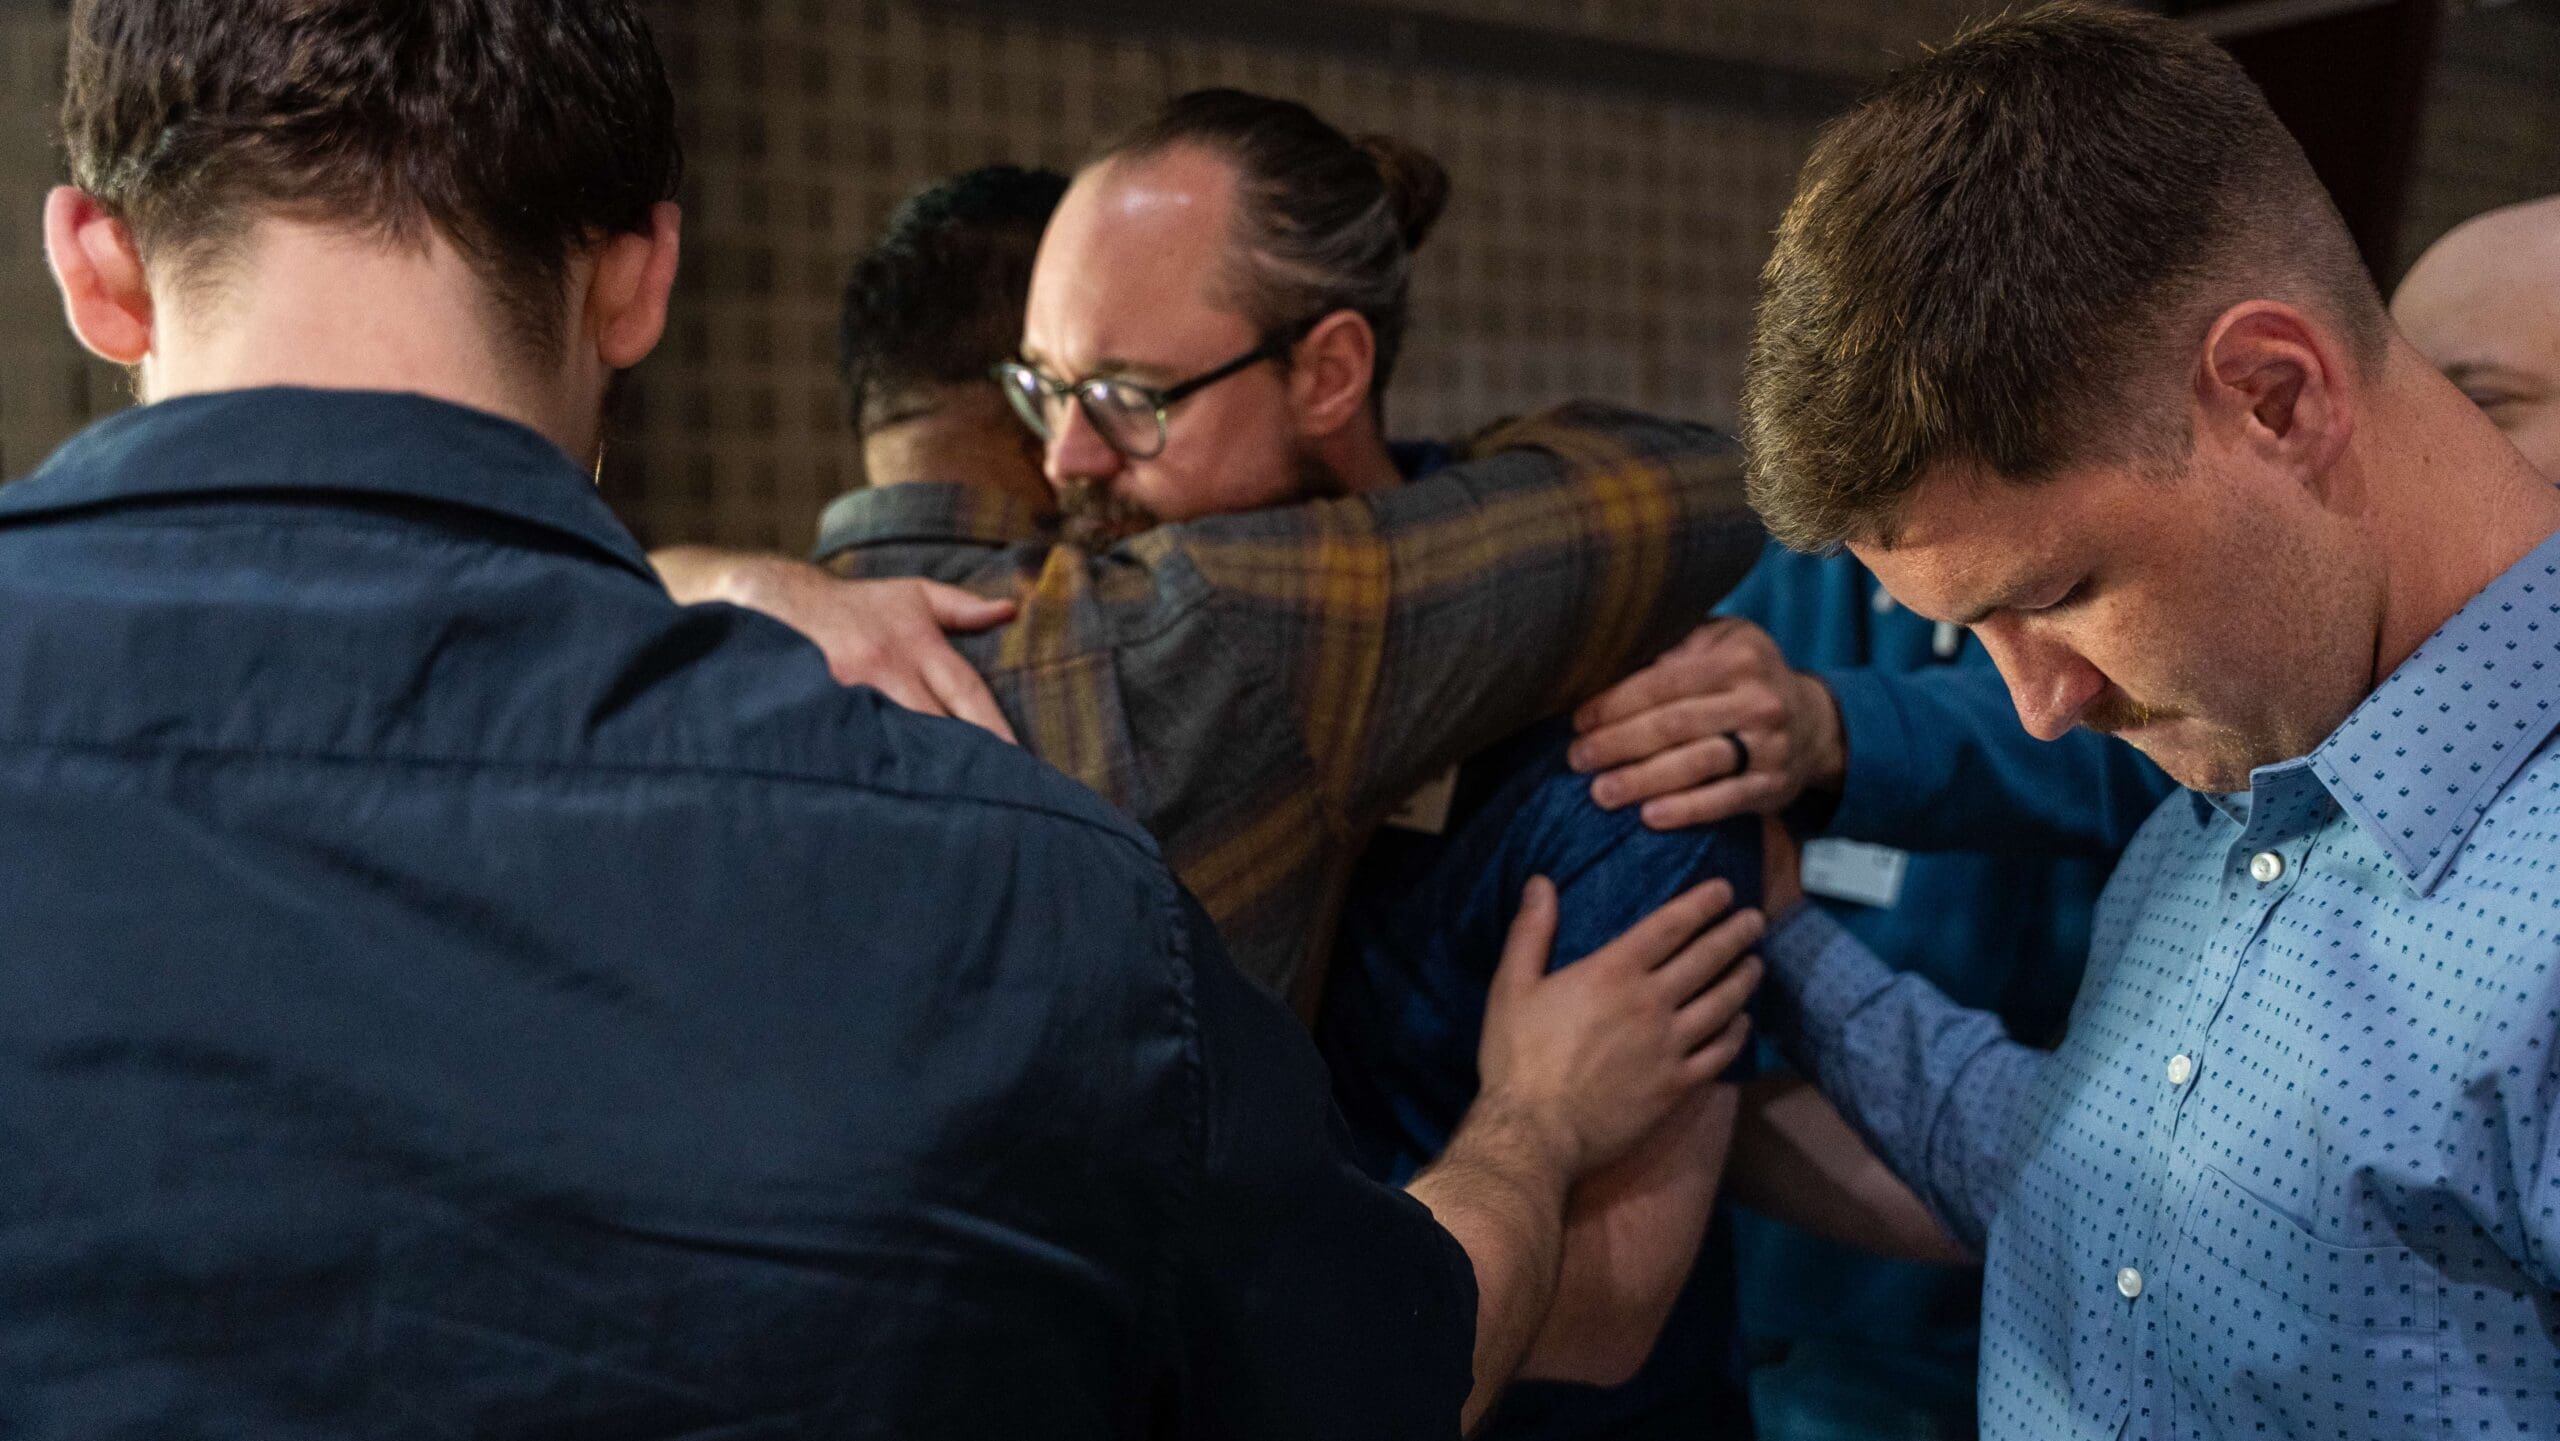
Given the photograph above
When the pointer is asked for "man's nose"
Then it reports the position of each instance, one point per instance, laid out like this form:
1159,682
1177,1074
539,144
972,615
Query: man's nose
1077,450
2049,683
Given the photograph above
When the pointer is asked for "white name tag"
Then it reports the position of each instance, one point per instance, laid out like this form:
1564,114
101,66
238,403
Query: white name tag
1427,809
1855,872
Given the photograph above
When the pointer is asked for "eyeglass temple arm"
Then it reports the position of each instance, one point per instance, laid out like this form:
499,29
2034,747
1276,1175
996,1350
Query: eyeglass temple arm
1272,349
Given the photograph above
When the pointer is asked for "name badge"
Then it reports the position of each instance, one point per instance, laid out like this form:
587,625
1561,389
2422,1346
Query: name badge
1855,872
1427,809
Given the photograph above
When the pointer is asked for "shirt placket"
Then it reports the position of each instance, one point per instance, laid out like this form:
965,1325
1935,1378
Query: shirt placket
2260,870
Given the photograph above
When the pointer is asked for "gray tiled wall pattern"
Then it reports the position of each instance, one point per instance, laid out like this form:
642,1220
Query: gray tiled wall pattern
1596,243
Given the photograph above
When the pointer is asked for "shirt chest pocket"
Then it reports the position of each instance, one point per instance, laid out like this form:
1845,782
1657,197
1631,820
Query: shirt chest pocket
2270,1330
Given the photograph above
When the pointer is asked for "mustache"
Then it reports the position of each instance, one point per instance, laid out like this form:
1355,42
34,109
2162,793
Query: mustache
2116,712
1092,516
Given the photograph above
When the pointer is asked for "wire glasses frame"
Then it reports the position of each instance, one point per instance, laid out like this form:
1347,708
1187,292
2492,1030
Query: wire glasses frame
1130,417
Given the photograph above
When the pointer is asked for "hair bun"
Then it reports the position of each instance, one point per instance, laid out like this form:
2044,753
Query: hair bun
1417,185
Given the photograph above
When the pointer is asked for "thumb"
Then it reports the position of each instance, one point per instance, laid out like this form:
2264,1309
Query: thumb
957,609
1532,939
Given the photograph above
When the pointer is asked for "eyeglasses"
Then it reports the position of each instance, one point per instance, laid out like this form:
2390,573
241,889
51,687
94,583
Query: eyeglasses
1130,417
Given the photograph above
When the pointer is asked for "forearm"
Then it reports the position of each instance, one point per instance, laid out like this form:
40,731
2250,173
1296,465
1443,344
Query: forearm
697,573
1500,1189
1528,584
1933,1086
1796,1160
1631,1235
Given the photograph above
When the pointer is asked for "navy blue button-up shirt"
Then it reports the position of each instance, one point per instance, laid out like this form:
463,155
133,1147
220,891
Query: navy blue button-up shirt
448,989
2293,1171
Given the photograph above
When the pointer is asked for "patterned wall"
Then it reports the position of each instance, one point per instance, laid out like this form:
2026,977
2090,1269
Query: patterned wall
2492,131
1597,242
48,387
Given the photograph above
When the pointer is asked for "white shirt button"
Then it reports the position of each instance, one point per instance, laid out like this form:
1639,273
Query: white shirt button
2180,1068
1883,601
2266,867
2129,1283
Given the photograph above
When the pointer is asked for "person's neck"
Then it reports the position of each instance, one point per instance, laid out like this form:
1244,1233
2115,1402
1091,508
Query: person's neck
2460,509
1358,462
961,444
310,306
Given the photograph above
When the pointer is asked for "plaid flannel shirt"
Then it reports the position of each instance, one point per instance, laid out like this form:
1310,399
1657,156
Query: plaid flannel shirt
1260,689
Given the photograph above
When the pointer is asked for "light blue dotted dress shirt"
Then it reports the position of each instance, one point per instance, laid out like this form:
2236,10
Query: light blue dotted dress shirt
2293,1172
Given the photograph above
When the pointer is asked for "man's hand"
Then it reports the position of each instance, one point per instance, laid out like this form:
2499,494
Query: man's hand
1665,736
886,634
1798,1160
1577,1066
1595,1055
1631,1236
1781,869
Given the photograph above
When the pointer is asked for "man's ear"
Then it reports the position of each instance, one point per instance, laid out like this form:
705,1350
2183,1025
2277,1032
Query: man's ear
1330,371
2279,385
99,270
627,297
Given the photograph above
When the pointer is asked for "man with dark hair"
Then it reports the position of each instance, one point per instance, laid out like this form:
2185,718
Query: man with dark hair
453,989
2062,338
928,311
925,306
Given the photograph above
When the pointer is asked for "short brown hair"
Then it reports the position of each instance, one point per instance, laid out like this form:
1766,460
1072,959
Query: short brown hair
1324,222
520,129
1994,259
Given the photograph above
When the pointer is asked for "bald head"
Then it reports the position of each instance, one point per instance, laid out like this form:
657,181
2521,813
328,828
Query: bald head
1130,285
2483,304
1137,281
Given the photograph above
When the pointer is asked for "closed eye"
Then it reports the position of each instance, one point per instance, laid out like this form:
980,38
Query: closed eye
2078,592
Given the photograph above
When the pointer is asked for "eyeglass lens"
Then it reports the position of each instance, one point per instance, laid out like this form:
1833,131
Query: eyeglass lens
1123,413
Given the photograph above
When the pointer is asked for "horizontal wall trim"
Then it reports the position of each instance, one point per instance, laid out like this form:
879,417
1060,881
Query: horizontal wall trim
2256,17
1399,36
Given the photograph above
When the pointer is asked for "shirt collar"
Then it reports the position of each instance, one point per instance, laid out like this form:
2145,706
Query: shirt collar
927,513
344,442
2430,750
951,513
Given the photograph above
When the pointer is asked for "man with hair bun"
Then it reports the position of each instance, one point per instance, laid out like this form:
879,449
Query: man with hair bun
1259,627
1263,625
2063,339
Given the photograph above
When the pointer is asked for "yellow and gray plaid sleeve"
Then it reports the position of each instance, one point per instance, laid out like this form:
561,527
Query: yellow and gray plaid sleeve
1417,626
1258,689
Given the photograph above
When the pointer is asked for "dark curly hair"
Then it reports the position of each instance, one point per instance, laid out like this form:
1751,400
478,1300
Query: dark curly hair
938,299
